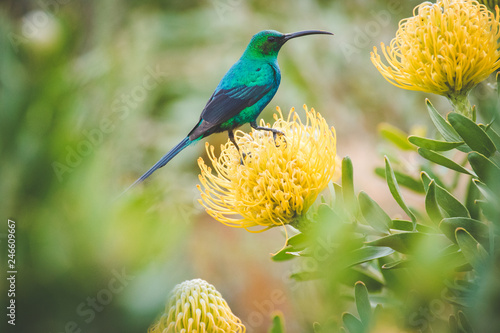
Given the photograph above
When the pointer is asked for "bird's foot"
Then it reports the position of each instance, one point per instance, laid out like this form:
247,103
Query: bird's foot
274,130
275,134
243,157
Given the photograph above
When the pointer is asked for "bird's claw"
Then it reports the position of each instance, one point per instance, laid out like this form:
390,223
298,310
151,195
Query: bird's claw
275,134
243,156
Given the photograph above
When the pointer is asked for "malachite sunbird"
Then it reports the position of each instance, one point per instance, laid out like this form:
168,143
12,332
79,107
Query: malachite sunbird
242,94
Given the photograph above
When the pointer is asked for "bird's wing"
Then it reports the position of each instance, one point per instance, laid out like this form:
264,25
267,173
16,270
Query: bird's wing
227,103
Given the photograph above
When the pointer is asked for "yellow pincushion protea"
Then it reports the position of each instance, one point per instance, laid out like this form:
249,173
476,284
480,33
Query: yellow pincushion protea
197,307
273,182
446,48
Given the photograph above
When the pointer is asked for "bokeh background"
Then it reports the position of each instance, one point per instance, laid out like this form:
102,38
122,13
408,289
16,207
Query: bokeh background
92,93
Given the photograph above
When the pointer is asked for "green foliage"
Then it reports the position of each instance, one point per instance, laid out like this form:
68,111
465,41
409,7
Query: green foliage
366,315
473,135
457,231
442,160
435,145
278,323
395,135
403,179
396,192
373,213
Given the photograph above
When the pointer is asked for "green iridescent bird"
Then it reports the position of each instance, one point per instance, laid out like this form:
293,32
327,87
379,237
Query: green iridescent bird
242,94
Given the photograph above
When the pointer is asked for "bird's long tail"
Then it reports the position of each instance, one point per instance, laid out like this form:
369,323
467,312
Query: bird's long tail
164,160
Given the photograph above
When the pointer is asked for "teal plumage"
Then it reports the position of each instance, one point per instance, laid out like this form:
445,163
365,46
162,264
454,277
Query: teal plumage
241,95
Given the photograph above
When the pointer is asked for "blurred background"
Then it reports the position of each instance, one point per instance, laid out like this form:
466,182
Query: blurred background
92,93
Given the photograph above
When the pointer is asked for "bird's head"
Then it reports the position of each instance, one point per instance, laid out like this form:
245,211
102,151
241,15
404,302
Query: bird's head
269,42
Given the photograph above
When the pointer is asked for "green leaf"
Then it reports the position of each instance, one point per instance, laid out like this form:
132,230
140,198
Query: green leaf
486,170
373,213
352,323
472,134
396,193
362,303
426,180
449,204
278,323
326,213
490,210
473,252
443,160
403,180
395,135
472,195
428,174
464,323
298,241
405,225
409,182
452,322
476,228
433,144
338,202
371,277
348,182
443,127
306,276
404,263
493,135
485,191
365,254
431,205
284,254
445,258
404,242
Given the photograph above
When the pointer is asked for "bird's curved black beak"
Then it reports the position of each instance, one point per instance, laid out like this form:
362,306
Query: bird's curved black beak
305,33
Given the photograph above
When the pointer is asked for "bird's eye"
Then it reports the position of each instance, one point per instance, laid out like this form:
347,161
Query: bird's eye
271,38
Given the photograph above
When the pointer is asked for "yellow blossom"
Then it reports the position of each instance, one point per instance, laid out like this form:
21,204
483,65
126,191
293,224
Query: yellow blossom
446,48
270,183
195,306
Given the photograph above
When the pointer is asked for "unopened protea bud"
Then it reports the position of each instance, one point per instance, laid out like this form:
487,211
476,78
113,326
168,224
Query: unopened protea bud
195,306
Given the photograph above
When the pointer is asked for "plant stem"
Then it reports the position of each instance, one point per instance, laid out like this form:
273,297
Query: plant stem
462,105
